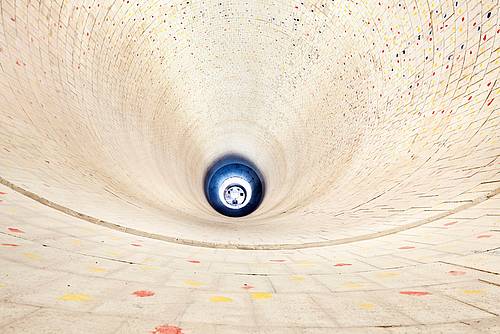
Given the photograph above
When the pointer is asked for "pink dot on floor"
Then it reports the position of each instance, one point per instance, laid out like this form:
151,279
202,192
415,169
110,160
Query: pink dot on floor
10,245
247,286
450,223
143,293
406,247
456,273
277,260
483,236
2,193
343,264
414,293
194,261
15,230
167,329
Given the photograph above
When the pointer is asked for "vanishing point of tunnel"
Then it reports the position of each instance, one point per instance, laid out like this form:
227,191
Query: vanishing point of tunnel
262,167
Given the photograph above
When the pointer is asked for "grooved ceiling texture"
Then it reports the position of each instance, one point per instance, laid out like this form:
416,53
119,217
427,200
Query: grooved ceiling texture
375,124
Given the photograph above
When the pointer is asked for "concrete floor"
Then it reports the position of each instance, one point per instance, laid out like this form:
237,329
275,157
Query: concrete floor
375,124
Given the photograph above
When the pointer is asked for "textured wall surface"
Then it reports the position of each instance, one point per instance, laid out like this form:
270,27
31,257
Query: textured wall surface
375,123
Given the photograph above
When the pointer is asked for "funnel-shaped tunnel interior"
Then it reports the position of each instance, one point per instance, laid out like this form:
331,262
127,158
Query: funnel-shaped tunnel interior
374,126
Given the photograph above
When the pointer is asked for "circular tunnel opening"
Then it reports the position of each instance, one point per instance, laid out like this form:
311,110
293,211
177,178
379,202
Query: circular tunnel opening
234,186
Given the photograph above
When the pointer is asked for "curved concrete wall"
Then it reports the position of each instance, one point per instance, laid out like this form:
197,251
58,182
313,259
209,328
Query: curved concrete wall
375,124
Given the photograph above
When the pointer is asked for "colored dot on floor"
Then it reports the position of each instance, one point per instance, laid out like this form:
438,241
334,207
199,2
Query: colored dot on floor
32,256
456,273
473,292
143,293
414,293
194,261
297,278
97,269
367,306
193,283
167,329
261,295
75,297
220,299
9,245
342,264
15,230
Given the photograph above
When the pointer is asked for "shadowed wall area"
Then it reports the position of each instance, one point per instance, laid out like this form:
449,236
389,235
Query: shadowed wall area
375,125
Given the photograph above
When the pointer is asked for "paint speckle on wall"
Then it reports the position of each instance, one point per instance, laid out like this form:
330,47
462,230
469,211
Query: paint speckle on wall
220,299
167,329
75,297
143,293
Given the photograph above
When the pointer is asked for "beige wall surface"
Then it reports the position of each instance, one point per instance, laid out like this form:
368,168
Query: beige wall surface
376,125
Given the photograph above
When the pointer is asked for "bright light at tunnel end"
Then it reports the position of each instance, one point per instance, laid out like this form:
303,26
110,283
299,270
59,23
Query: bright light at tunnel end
234,186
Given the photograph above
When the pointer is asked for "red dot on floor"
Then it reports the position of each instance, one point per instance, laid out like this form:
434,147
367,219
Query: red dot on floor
343,264
194,261
456,273
406,247
167,329
9,245
247,286
143,293
15,230
414,293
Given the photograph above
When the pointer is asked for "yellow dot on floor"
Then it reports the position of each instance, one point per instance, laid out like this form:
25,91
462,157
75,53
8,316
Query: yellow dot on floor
220,299
352,285
367,306
297,278
193,283
75,297
2,285
97,269
149,267
32,256
388,274
473,292
261,295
